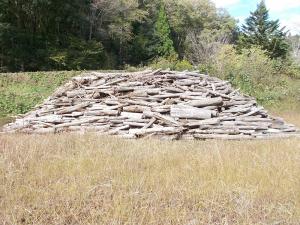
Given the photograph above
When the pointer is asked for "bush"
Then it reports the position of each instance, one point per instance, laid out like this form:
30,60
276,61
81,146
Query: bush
171,63
183,65
252,71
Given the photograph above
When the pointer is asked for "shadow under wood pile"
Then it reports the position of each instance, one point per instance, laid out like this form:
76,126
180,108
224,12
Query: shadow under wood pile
166,104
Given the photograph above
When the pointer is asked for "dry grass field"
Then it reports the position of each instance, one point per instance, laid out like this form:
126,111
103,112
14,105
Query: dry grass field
90,179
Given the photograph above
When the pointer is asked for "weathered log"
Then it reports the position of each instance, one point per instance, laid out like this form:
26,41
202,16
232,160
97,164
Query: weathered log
116,130
111,102
151,122
78,122
116,81
217,131
132,115
206,102
166,130
136,102
135,108
254,119
161,109
188,112
167,96
73,108
173,90
135,124
54,119
124,89
213,121
215,93
139,93
186,82
102,113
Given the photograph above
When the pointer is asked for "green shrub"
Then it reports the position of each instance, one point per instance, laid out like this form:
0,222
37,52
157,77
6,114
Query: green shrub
163,63
183,65
172,63
253,72
292,69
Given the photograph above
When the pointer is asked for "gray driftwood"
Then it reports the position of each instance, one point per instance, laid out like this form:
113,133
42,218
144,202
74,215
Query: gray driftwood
166,104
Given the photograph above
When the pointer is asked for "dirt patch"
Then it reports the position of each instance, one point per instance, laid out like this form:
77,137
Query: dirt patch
5,120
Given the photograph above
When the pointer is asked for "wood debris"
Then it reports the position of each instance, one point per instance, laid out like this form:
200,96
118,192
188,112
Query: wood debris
166,104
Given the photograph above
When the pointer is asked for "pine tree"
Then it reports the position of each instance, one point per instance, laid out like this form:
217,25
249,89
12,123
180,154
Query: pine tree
261,31
162,33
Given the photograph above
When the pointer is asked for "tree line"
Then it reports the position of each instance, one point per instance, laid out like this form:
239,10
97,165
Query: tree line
105,34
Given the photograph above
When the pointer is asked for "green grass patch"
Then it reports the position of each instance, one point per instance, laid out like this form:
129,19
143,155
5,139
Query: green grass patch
20,92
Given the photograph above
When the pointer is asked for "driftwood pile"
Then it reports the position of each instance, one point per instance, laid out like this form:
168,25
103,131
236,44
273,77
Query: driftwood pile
165,104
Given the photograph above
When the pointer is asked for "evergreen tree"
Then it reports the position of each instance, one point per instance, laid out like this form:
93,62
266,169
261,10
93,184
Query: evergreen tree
162,33
261,31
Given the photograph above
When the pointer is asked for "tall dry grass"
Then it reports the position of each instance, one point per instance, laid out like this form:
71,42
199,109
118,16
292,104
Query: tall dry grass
73,179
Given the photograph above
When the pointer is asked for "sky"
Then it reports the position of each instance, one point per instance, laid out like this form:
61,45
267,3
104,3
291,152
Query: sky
287,11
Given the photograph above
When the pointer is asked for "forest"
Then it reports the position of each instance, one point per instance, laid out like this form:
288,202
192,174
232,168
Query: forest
43,35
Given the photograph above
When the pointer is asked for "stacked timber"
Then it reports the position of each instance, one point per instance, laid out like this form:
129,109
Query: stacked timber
165,104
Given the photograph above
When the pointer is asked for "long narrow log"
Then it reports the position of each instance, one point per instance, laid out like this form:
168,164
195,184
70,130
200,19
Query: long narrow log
135,124
73,108
188,112
78,122
102,113
213,121
217,131
206,102
152,121
166,130
132,115
173,90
